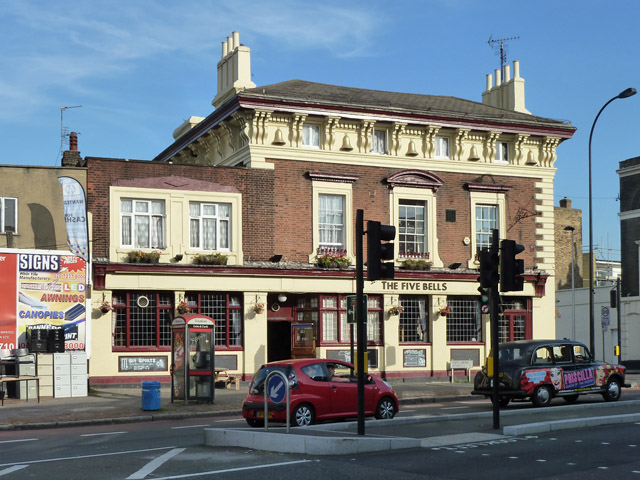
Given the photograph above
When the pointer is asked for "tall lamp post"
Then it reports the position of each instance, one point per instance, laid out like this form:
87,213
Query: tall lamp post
624,94
569,228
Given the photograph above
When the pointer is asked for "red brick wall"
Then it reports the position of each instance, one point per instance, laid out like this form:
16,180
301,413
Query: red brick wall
256,187
277,205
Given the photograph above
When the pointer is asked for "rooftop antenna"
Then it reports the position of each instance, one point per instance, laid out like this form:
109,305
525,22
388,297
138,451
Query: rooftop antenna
64,131
500,48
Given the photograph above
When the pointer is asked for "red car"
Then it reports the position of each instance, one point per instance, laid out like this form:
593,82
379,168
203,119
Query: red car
320,389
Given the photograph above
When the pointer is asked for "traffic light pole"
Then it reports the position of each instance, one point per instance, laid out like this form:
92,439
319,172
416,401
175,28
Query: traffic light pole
361,331
494,301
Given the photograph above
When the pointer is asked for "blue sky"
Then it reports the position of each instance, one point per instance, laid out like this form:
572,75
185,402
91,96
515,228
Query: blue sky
139,68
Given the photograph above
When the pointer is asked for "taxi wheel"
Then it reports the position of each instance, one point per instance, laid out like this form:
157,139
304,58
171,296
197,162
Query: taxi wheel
503,400
385,409
255,423
303,415
542,396
614,390
571,398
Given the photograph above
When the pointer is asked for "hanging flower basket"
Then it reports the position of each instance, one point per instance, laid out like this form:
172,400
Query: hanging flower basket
258,308
395,310
183,307
445,311
105,307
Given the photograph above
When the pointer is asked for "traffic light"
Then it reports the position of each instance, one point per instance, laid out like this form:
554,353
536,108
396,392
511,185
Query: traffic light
378,252
489,261
484,295
511,269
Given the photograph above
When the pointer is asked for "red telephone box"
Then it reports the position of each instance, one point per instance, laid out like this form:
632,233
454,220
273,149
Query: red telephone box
192,358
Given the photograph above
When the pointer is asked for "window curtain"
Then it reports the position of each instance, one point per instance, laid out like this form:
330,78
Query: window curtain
379,142
331,220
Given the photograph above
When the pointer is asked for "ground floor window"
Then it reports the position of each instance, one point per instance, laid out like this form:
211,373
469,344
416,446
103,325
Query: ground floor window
225,309
328,313
414,324
515,321
142,319
464,323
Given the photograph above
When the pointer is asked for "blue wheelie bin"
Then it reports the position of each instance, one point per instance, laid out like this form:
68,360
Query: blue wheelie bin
151,395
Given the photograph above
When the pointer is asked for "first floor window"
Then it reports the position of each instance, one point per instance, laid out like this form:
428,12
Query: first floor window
515,321
412,229
442,147
464,323
8,214
331,221
209,226
486,222
379,142
225,309
311,136
414,320
142,319
142,223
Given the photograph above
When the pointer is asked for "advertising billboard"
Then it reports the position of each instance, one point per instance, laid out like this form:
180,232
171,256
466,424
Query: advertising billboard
42,287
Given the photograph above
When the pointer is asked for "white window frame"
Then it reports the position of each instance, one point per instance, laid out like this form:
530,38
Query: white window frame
337,228
485,198
443,147
502,152
153,218
3,214
333,188
222,224
431,232
379,136
419,238
311,136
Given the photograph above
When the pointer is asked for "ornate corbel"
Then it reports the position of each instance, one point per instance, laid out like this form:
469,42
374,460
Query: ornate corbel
490,145
398,131
430,140
297,122
520,141
330,124
366,129
461,135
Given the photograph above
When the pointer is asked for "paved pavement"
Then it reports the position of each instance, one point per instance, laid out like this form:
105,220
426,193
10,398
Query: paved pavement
111,405
124,404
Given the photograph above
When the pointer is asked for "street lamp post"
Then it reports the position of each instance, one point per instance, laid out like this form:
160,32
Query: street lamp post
573,285
624,94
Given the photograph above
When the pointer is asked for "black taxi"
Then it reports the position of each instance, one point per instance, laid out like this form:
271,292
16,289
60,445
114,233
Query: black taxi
539,370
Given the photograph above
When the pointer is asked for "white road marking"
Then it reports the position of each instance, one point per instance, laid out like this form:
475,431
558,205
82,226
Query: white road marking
513,458
9,470
603,468
632,445
126,452
103,433
239,469
541,460
455,408
189,426
605,443
21,440
571,464
156,463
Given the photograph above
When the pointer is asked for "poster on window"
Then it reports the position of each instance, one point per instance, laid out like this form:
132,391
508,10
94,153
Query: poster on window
42,287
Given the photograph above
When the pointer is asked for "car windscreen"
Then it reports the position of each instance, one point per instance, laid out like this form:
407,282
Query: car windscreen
257,386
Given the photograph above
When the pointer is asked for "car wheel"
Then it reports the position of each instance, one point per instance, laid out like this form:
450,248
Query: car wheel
255,423
571,398
303,415
541,396
386,409
503,400
613,391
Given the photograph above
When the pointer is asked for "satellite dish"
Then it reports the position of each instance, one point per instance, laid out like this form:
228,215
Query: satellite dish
143,302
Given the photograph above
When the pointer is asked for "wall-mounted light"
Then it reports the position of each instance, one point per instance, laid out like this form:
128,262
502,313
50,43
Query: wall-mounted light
282,298
276,258
455,265
178,257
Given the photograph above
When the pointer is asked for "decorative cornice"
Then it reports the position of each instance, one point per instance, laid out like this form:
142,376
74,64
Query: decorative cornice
488,187
332,177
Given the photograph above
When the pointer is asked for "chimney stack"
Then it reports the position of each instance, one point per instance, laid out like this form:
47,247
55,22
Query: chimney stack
508,92
234,70
72,157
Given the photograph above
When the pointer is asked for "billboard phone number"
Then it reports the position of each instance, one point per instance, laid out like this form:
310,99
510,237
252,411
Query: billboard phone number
67,346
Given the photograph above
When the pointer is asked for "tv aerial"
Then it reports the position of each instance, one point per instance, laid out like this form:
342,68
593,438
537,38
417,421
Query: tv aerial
64,131
498,45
